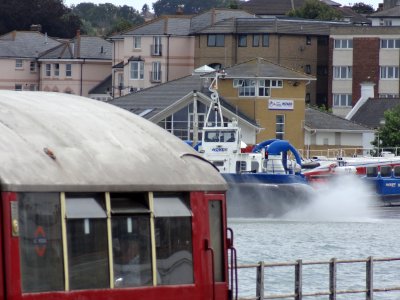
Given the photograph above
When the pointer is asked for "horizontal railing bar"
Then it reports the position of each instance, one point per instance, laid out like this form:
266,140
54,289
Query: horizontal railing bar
289,264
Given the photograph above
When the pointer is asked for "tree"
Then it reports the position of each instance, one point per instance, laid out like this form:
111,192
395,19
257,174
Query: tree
388,135
362,8
107,18
169,7
315,9
55,18
145,9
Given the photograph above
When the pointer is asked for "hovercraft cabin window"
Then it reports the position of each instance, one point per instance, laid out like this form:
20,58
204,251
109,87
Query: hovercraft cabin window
77,241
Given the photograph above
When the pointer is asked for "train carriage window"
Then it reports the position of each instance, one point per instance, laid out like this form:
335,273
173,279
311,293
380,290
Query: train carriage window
131,240
87,241
173,229
40,242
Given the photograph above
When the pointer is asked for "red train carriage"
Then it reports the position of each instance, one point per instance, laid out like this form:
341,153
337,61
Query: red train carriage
97,203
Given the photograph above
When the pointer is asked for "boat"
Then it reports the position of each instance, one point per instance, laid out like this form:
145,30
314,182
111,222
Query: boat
262,180
381,173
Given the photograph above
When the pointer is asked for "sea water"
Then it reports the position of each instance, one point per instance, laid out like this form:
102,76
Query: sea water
342,221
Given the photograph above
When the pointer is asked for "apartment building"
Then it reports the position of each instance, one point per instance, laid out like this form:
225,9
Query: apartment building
360,54
301,45
19,53
30,60
76,66
159,50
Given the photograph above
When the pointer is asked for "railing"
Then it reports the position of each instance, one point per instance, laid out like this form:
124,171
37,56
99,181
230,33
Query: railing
298,293
349,152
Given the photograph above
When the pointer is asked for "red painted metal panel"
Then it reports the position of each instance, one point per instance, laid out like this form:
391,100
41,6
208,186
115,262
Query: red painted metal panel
202,289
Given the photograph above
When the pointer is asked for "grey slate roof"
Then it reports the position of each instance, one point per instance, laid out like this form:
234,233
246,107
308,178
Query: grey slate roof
25,44
372,112
355,18
171,25
103,87
262,68
391,12
183,25
90,48
156,99
316,119
271,25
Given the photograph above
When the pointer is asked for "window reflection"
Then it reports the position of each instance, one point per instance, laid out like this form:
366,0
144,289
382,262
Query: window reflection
131,240
87,241
173,231
40,240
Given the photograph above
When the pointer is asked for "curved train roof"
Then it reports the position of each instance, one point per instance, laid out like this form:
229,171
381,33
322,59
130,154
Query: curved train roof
61,142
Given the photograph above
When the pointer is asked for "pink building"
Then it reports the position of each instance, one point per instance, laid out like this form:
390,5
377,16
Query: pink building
30,60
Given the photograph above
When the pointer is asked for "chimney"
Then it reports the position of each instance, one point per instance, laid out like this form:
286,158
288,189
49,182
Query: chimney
77,52
36,27
179,9
367,91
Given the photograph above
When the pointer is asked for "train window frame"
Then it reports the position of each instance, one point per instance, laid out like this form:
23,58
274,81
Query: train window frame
92,222
174,256
133,267
52,278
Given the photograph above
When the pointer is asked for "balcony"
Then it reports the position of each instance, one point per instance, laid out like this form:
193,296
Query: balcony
156,50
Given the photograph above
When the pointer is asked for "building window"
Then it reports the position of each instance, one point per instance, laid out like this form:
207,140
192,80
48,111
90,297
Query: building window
68,70
57,70
344,44
389,72
308,69
215,40
247,88
386,95
137,70
265,40
18,87
264,88
390,43
342,72
322,70
156,72
308,40
242,40
279,126
48,70
342,100
384,22
308,98
256,40
18,64
156,49
137,42
33,87
32,66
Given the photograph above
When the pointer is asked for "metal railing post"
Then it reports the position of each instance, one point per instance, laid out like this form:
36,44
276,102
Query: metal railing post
298,280
260,281
332,279
370,278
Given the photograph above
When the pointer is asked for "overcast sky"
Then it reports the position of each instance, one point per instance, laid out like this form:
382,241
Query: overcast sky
138,4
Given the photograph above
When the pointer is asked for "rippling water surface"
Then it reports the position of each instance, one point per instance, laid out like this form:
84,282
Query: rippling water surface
342,222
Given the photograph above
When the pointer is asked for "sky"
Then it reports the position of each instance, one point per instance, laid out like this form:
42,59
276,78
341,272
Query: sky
138,4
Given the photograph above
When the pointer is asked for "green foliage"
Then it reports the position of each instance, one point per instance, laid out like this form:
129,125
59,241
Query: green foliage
362,8
107,18
169,7
56,19
315,9
389,133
